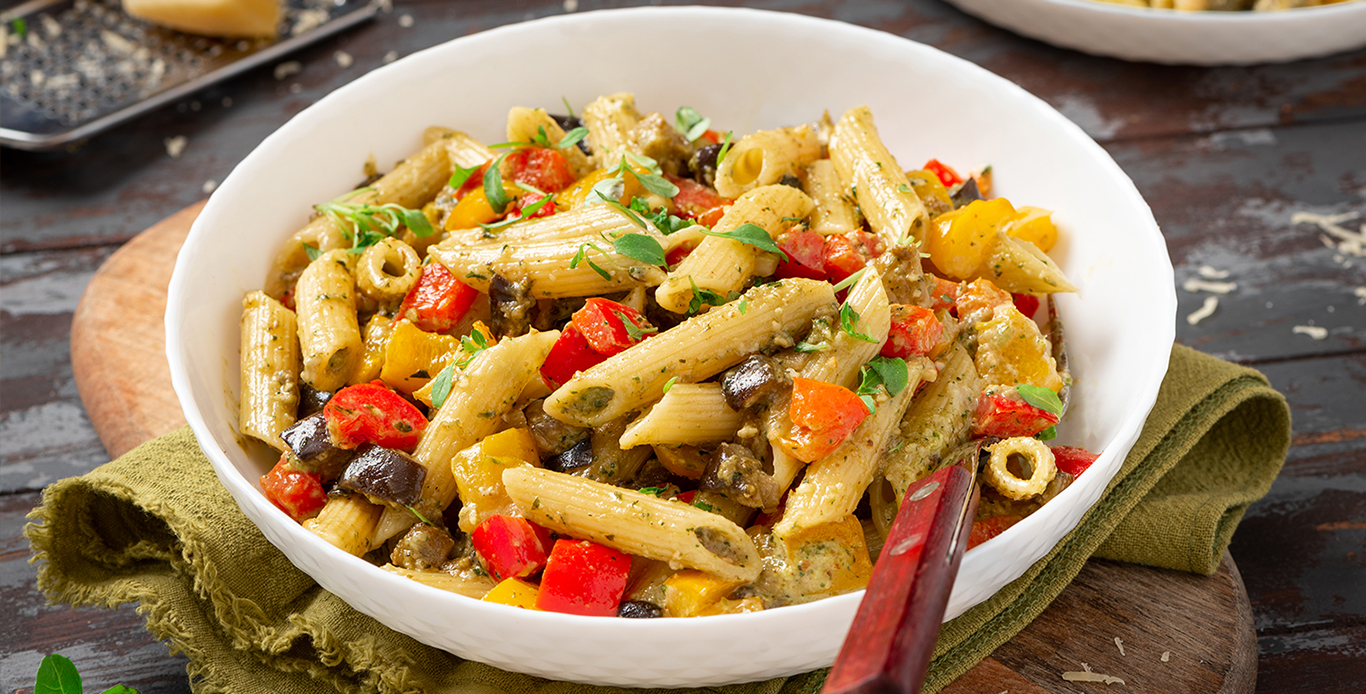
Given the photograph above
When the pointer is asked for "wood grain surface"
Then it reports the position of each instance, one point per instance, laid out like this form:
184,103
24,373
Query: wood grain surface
1224,156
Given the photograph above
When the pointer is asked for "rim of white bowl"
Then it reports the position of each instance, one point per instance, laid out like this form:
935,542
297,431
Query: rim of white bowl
255,505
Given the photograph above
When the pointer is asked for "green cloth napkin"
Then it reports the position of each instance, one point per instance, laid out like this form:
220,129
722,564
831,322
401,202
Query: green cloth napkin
155,527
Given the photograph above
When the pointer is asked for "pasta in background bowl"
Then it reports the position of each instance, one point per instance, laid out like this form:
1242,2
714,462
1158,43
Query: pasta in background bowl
1121,322
1116,29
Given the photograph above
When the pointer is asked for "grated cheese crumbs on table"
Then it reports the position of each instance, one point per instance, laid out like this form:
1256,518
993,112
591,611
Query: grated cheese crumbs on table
343,59
308,20
1166,656
1349,242
287,68
176,145
1087,676
390,57
1194,285
1314,331
296,88
209,186
571,5
406,21
1211,273
1360,293
1119,643
1205,311
385,6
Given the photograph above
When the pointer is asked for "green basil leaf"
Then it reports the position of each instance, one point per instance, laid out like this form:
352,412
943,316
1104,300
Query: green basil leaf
669,384
1042,398
753,235
540,138
633,331
572,138
57,675
312,252
607,190
640,247
849,319
690,123
891,372
642,160
869,403
743,306
461,175
1047,434
493,187
441,386
417,223
601,272
658,185
120,689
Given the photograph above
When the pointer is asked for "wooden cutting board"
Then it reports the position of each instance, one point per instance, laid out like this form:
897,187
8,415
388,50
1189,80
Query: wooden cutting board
1203,625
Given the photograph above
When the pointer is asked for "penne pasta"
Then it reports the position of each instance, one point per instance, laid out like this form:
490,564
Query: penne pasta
525,124
270,369
609,120
347,522
329,334
689,414
893,209
640,524
834,213
765,157
554,269
938,420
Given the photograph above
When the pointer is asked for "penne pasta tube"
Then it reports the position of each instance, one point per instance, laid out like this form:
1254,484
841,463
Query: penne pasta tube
635,523
763,158
596,223
554,269
329,334
412,182
464,151
833,485
609,120
347,522
893,209
834,212
465,583
723,265
270,369
690,413
694,351
938,420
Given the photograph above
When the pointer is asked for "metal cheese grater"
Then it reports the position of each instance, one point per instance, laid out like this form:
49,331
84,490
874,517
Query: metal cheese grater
72,68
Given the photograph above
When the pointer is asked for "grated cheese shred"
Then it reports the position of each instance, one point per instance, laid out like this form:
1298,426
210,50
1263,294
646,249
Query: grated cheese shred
1087,676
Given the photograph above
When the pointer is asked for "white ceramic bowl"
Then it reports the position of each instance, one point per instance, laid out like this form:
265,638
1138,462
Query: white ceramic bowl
746,70
1180,38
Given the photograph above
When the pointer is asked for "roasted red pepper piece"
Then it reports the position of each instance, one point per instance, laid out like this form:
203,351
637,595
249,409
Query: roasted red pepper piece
603,323
914,330
371,413
438,301
806,252
583,577
1026,304
541,168
510,546
694,199
1073,460
845,255
984,530
945,295
569,355
714,215
1000,416
823,414
476,180
528,200
946,174
297,493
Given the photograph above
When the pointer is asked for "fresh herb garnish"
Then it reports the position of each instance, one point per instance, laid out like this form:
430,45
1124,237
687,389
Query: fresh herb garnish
653,491
493,186
669,384
365,224
903,188
567,107
751,235
704,506
653,181
1042,398
312,252
419,516
888,372
850,281
21,29
633,331
702,296
665,222
58,675
805,347
640,247
849,319
1047,434
743,306
725,149
461,175
441,386
581,256
690,123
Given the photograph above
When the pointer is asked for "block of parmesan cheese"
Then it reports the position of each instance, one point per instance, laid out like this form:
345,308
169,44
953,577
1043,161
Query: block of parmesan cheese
210,17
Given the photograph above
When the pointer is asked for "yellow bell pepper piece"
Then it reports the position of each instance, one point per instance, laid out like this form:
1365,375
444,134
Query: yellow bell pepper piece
961,241
412,357
377,331
424,394
474,209
574,195
515,592
930,190
689,593
478,472
1011,350
1035,225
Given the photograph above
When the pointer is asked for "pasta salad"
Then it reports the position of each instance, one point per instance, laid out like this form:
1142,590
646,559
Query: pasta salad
624,364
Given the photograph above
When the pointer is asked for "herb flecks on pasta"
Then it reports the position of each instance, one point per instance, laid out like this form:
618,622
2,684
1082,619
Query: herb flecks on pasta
628,338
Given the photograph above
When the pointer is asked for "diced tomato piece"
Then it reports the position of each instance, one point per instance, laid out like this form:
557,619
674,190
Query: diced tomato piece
438,301
714,215
842,257
984,530
541,168
715,137
603,323
476,180
823,414
1026,304
529,199
583,577
805,250
1073,460
688,496
1000,416
510,547
694,199
678,253
946,174
944,293
297,493
371,413
914,330
569,355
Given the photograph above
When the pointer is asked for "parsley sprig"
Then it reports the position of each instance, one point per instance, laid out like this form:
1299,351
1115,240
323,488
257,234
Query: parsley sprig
703,296
691,123
849,319
890,373
365,224
1044,399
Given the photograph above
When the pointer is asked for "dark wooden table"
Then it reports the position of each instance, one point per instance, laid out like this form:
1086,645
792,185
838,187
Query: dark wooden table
1224,156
